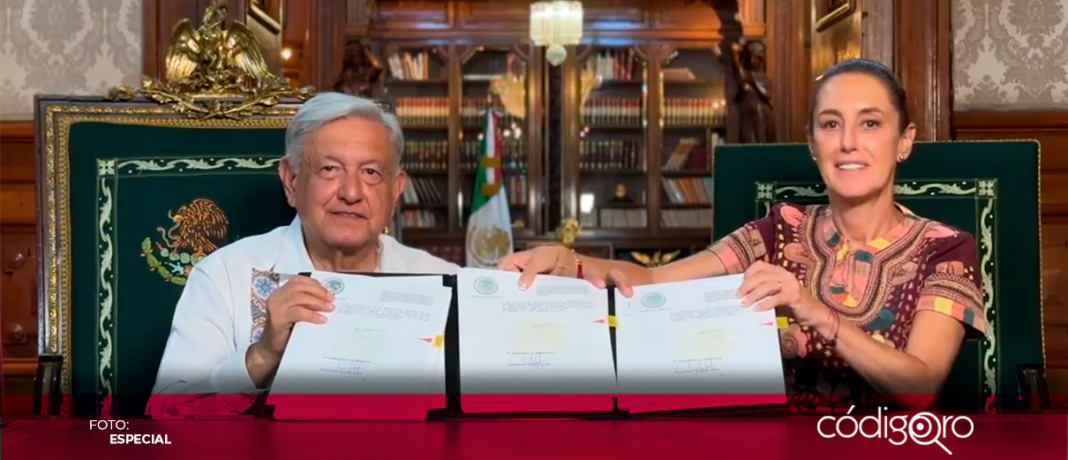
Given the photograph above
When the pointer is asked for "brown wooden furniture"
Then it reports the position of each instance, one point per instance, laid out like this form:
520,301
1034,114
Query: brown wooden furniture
638,106
318,32
18,278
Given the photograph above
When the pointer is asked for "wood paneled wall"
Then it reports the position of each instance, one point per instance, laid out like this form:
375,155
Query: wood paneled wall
1050,129
18,264
912,37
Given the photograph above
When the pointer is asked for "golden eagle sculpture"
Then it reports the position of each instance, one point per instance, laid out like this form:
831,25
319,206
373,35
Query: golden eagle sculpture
656,259
215,72
225,56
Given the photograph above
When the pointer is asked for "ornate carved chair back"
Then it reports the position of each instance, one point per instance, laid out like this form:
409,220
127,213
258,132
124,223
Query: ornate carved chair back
988,189
137,188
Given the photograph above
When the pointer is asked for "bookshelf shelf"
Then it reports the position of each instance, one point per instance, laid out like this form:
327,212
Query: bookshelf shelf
441,91
612,143
620,136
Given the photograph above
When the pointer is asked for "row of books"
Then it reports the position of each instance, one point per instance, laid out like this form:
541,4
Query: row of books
419,218
409,66
513,154
422,190
426,155
686,218
612,111
422,111
695,111
515,189
615,65
434,111
616,218
687,156
600,154
688,190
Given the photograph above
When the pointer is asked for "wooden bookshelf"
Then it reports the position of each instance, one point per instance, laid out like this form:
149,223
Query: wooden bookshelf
644,134
654,107
693,121
416,80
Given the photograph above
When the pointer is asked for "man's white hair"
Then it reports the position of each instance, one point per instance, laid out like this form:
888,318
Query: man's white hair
325,108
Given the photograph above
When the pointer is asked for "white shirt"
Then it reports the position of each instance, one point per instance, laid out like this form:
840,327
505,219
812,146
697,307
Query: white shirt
219,315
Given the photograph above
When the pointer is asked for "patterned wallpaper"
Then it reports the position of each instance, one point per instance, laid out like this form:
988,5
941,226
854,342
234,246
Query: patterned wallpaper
1007,53
1010,54
80,47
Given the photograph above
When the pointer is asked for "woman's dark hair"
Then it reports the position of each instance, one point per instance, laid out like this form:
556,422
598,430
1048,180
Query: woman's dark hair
871,68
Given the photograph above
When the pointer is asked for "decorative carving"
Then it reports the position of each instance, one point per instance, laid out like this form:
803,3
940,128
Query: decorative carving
754,93
360,71
214,72
655,259
589,81
621,195
512,91
568,230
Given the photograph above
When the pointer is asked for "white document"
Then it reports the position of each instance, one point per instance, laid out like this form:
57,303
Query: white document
550,340
385,336
694,337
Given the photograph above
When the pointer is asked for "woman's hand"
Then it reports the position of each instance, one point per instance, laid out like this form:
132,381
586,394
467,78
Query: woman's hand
767,286
559,260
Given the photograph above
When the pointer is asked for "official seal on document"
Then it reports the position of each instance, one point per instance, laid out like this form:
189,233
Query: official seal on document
334,285
653,300
485,286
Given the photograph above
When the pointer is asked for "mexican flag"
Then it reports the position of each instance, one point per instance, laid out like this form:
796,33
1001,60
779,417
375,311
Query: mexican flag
489,229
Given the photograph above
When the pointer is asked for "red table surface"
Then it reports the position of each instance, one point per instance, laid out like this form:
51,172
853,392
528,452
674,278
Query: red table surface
794,437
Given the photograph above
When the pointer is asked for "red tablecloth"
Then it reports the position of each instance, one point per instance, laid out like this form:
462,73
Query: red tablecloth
795,437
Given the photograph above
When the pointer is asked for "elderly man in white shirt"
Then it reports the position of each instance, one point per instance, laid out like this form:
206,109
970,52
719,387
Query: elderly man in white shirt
341,171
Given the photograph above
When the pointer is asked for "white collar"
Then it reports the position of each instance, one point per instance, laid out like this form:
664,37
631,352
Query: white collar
294,257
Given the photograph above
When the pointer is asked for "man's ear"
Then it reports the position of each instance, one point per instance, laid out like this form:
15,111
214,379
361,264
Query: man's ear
905,143
289,181
399,184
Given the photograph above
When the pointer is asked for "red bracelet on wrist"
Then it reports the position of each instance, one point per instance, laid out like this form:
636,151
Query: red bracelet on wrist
578,264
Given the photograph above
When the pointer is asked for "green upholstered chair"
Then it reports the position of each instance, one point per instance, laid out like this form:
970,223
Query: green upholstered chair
132,194
989,189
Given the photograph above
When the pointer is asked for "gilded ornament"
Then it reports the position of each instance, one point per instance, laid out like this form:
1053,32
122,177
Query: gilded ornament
568,230
655,259
512,91
214,72
589,81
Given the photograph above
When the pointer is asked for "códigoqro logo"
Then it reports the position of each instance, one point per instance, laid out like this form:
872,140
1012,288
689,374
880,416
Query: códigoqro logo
923,428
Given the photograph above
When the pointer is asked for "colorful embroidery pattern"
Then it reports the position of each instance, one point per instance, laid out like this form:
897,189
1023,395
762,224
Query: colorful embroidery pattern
263,285
921,265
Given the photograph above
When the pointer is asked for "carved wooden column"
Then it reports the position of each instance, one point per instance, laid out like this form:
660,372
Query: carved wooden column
789,62
924,64
912,37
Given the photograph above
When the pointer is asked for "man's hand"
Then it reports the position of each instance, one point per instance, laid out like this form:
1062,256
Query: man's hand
300,299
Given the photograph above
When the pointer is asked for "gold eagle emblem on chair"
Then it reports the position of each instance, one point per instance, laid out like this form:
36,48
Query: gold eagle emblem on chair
199,228
215,58
214,71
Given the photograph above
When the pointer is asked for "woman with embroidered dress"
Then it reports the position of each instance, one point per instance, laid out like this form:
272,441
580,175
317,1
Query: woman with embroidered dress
878,299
